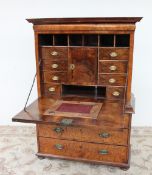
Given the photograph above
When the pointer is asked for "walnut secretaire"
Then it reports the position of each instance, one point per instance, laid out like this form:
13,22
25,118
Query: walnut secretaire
84,72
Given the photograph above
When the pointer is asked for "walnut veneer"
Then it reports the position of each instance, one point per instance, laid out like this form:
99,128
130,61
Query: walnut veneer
84,60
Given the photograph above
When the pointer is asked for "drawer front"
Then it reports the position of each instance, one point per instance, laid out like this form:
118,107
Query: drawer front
54,65
112,79
115,93
54,53
113,53
84,134
56,77
112,66
90,151
51,90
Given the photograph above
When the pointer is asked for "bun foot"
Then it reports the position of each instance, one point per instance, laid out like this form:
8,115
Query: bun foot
41,157
124,168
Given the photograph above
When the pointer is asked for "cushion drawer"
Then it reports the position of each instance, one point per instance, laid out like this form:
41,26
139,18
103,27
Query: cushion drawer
96,152
112,66
112,79
54,53
51,90
115,93
56,77
113,53
84,134
54,65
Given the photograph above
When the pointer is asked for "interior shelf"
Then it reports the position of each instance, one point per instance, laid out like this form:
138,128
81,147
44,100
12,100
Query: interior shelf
90,40
96,92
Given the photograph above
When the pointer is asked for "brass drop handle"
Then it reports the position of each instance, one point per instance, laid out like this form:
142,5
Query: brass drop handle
116,93
103,152
113,54
112,80
59,146
54,53
72,66
113,68
104,135
58,130
55,78
54,66
51,89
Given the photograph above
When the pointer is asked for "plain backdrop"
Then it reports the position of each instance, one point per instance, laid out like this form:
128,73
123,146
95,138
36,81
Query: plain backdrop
17,57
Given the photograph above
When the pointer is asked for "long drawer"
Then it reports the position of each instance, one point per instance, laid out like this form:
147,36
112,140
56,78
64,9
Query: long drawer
87,134
90,151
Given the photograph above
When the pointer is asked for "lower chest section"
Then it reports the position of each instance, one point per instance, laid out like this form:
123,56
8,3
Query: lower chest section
93,144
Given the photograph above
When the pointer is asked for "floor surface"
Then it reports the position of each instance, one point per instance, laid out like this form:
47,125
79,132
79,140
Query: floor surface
18,148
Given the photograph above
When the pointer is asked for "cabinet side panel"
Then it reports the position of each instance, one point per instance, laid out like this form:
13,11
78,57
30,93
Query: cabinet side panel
37,64
130,65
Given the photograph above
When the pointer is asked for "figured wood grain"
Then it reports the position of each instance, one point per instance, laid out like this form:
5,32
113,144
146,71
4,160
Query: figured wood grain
84,150
112,89
47,65
86,134
46,93
110,116
85,61
121,66
120,79
122,53
49,77
62,53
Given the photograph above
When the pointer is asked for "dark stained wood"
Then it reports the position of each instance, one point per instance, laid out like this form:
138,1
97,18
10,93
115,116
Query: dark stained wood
95,20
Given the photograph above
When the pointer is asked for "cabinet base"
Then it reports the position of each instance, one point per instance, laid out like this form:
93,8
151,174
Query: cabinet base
122,166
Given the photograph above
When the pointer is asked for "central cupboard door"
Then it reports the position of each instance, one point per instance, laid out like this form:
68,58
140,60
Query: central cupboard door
83,65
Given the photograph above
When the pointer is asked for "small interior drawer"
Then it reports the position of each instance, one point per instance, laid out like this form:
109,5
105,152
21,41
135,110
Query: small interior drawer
51,90
113,53
113,66
96,152
54,65
112,79
115,93
54,53
56,77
